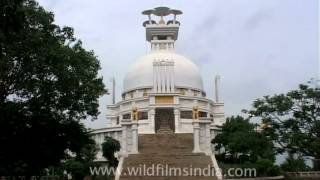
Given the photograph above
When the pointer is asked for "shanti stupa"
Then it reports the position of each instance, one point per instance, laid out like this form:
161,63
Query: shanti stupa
164,109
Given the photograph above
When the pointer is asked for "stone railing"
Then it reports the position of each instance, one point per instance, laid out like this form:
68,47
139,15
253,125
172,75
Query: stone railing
126,134
129,142
99,134
202,136
202,142
304,174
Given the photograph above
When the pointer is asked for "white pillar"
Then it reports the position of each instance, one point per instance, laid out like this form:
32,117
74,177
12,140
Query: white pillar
134,131
208,138
129,127
212,146
196,137
163,77
216,82
154,76
172,75
176,120
152,120
158,77
113,90
124,139
167,76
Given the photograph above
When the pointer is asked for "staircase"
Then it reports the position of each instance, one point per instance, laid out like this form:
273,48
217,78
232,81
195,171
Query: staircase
164,128
165,151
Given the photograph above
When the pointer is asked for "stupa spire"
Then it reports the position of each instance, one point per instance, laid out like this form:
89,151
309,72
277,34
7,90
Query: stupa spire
162,34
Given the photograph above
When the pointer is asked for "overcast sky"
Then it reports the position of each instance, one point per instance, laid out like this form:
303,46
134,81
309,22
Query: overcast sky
258,47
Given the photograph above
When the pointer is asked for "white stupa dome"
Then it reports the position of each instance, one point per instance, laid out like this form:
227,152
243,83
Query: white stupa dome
140,74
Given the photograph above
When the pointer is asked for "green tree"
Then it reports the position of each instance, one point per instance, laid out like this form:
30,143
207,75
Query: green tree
79,165
266,167
109,147
293,121
48,83
239,138
294,164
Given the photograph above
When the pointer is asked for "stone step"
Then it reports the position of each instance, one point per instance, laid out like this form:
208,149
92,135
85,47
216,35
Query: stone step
173,150
165,130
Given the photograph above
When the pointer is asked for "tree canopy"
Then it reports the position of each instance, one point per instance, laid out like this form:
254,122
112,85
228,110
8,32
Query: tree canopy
109,147
79,165
294,164
239,137
293,121
241,144
48,83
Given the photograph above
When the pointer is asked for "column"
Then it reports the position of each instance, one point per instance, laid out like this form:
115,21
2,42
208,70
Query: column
163,77
134,131
212,136
168,76
172,75
208,139
196,136
154,76
158,76
216,82
124,139
177,120
152,120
